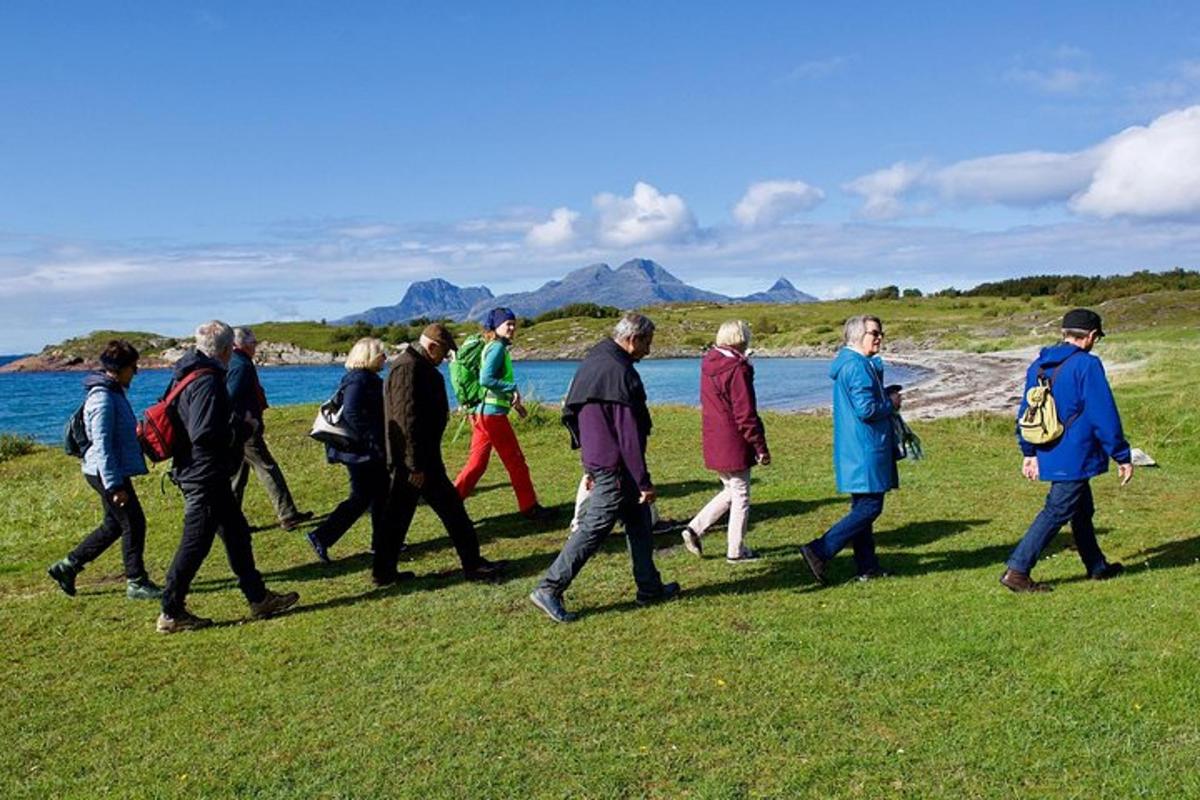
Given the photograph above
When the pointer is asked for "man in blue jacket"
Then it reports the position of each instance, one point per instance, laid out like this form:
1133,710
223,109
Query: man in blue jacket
864,448
1092,435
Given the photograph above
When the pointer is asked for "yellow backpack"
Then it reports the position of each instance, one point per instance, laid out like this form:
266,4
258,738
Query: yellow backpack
1040,423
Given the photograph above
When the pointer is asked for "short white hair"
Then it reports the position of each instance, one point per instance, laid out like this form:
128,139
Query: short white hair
243,336
213,338
734,333
366,354
856,328
633,326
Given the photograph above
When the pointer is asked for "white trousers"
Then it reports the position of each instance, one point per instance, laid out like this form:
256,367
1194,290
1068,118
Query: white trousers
733,499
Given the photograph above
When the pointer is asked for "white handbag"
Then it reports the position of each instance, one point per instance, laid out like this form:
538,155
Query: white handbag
329,429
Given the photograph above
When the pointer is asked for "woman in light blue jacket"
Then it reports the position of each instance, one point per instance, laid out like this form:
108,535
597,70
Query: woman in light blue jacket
864,448
110,461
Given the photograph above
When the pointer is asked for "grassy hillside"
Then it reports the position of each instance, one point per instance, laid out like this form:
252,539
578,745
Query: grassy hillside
935,684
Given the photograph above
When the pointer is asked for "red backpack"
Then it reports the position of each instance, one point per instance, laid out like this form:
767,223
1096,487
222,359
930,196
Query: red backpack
156,431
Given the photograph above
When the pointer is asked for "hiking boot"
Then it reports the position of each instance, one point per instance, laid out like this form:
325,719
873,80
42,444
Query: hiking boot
669,591
486,570
294,521
393,579
815,563
1108,571
691,540
142,589
747,555
273,604
318,548
538,513
873,575
1021,582
63,572
552,604
183,621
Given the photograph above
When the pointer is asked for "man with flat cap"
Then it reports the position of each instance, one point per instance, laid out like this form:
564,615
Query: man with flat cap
1091,435
416,411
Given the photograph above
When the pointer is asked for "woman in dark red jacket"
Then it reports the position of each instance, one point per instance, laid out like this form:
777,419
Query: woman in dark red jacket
734,439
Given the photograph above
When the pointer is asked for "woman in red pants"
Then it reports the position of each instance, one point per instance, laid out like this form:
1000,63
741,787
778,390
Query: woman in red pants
490,428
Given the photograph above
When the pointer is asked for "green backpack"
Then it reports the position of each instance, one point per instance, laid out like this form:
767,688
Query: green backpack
464,372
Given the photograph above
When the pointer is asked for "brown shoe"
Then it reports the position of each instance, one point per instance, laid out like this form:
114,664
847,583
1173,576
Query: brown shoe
814,562
1021,582
183,621
273,604
296,520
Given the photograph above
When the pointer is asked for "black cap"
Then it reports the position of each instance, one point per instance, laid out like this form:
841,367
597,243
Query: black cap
1082,319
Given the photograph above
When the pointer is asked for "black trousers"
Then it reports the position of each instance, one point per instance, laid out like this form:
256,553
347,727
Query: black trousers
368,490
439,492
127,523
210,510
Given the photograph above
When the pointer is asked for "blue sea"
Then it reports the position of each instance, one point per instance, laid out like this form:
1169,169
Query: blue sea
38,403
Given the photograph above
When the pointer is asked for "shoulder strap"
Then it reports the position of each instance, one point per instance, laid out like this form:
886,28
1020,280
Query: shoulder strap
181,385
1054,372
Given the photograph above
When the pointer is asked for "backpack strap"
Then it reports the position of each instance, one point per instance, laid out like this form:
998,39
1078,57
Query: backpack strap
1053,377
178,388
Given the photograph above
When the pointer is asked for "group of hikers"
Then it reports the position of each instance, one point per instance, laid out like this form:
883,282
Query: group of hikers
1068,430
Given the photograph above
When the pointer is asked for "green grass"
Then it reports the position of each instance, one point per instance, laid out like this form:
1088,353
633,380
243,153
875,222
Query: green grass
936,684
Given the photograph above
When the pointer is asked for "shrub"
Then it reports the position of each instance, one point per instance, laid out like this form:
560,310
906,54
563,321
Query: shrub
13,445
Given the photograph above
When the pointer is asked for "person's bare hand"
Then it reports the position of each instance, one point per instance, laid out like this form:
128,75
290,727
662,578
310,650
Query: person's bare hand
764,459
1125,471
648,496
120,498
1029,468
589,482
416,479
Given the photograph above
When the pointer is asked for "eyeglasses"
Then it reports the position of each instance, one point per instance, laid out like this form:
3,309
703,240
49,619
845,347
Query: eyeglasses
875,334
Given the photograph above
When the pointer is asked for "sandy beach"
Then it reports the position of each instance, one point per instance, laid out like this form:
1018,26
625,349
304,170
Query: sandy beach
963,383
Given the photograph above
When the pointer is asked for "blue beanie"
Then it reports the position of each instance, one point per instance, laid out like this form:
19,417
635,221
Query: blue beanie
497,317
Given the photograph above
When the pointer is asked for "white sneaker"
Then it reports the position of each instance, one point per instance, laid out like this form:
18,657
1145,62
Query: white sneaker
691,540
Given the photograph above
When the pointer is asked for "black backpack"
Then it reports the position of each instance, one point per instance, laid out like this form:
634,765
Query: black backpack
75,435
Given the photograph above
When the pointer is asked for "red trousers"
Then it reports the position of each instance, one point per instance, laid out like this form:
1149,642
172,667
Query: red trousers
490,431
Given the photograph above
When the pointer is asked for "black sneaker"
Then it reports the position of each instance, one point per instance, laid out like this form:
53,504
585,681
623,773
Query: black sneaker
63,572
552,605
486,570
746,556
669,591
1108,571
814,562
142,589
318,548
538,513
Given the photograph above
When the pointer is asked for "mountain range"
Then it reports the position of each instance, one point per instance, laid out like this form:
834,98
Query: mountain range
637,283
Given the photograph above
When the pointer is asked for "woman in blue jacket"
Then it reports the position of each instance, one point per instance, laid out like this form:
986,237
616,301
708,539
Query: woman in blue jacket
864,448
111,460
361,389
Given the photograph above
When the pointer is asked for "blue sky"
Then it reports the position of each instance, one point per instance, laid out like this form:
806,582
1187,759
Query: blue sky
163,163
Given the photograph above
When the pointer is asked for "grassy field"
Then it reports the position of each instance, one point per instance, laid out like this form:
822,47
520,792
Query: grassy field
757,683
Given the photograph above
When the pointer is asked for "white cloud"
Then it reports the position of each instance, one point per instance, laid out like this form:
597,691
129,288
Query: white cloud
1027,178
558,231
645,217
768,202
882,189
1151,171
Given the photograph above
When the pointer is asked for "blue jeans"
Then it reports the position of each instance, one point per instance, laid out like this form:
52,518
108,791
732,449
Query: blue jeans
856,528
1068,501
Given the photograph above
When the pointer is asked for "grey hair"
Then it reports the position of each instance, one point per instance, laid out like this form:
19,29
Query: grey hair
733,333
856,328
243,336
633,326
213,338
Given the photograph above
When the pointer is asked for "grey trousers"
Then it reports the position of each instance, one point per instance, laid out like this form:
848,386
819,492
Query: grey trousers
255,454
614,497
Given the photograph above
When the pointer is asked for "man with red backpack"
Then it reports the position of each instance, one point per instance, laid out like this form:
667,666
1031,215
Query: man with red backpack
207,447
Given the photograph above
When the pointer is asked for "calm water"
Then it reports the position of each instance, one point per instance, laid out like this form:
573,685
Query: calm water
39,403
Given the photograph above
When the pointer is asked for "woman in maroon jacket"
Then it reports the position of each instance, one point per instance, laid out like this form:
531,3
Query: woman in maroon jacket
734,439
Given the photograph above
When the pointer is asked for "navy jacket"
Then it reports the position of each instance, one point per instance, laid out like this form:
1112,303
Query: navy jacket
1086,406
208,445
362,412
245,392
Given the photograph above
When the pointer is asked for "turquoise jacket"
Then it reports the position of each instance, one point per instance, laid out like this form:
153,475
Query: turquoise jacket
864,441
496,375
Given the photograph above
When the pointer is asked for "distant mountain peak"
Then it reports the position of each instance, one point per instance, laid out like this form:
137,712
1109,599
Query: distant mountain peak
783,284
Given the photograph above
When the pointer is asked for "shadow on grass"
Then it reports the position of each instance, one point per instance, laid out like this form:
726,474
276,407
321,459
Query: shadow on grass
1169,555
915,534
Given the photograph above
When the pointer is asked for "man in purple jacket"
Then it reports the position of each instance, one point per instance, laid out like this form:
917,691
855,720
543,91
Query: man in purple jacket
606,412
1091,437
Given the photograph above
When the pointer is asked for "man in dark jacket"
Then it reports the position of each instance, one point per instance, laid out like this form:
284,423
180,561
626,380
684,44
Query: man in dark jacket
1092,436
606,412
416,410
208,447
249,401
